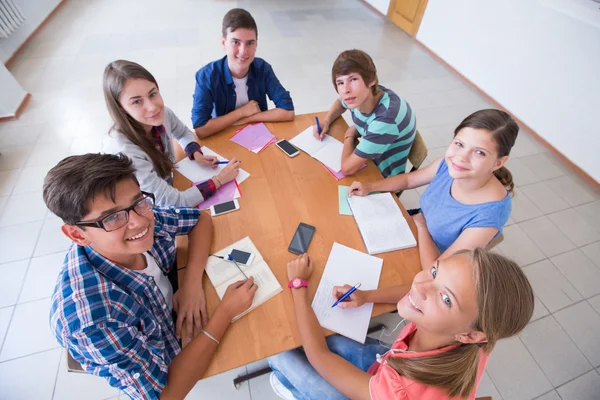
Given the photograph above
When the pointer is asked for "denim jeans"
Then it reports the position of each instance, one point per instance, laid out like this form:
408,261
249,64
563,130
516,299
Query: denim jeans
295,372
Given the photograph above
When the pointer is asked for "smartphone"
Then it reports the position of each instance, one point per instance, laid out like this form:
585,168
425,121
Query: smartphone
301,238
242,257
287,148
224,208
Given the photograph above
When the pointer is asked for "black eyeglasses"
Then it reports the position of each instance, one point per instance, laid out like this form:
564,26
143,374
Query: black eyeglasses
120,218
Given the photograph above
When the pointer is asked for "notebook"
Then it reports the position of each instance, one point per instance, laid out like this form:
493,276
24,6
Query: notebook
222,273
254,137
200,173
328,151
381,223
346,266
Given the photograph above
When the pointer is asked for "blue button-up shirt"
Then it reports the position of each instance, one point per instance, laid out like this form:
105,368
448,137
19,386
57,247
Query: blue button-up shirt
114,321
214,95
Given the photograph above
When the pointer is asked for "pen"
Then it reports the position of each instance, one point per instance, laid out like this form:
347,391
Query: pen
318,127
229,258
222,162
348,293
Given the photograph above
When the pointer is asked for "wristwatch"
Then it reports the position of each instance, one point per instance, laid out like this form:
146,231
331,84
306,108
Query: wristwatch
297,283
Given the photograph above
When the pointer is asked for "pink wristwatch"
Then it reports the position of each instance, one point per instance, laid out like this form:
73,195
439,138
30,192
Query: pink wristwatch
297,283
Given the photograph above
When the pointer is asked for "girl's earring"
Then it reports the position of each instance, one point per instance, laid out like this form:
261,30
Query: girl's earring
457,340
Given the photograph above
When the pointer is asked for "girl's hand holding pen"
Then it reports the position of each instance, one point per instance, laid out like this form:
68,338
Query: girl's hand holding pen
356,299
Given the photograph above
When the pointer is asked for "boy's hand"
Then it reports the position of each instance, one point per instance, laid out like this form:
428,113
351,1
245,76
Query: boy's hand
356,299
189,302
238,297
359,189
301,267
324,129
250,108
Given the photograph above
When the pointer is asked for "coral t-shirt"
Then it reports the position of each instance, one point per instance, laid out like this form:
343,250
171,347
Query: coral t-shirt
386,383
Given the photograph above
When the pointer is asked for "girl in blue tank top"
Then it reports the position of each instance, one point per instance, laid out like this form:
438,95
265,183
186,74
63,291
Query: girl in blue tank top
468,199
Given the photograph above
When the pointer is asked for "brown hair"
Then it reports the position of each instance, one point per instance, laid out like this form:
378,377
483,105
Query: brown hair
115,75
76,179
505,304
356,61
238,18
504,130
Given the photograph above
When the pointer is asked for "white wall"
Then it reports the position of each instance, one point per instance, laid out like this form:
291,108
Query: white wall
12,93
380,5
540,63
35,11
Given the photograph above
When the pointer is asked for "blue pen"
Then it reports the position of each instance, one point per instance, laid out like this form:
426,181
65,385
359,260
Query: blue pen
318,127
348,293
222,162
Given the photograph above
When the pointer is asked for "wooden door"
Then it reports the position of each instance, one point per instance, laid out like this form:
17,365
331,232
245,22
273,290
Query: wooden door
407,14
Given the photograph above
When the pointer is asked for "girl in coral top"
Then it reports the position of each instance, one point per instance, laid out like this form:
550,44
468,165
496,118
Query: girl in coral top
459,309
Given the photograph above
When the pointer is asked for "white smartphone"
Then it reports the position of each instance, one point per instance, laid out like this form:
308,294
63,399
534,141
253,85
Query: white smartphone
224,208
242,257
287,148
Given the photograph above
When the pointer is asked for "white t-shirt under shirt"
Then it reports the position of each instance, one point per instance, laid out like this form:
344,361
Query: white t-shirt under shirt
241,91
161,280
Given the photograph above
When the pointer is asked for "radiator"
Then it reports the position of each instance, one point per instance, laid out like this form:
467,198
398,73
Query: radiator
10,18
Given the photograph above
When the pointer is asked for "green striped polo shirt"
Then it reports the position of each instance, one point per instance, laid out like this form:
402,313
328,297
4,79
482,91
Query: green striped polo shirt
387,133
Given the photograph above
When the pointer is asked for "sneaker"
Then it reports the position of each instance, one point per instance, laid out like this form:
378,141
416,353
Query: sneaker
279,389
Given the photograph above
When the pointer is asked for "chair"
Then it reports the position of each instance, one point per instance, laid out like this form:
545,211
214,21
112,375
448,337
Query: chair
418,152
72,365
495,242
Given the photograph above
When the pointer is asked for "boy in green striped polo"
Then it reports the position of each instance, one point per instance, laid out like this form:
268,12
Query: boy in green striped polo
384,121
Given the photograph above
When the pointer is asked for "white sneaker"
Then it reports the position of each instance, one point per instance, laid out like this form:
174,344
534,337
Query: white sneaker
279,389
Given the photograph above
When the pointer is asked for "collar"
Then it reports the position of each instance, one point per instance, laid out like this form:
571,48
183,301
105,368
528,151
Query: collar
227,71
400,346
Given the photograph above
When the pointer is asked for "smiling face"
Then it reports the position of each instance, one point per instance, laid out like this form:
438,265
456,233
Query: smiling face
141,99
473,154
353,90
443,300
240,46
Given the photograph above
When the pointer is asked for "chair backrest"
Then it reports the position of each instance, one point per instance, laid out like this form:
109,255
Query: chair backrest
418,152
495,241
72,365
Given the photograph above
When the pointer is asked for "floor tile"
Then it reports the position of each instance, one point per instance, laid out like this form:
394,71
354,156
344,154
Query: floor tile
29,331
47,154
12,275
591,212
52,239
21,208
544,166
575,227
539,309
519,247
220,386
582,324
554,351
29,377
31,179
17,241
486,388
580,271
260,388
523,208
8,180
75,386
410,199
514,371
5,316
595,303
546,236
13,158
544,197
522,175
586,387
592,251
573,190
552,288
552,395
41,277
526,145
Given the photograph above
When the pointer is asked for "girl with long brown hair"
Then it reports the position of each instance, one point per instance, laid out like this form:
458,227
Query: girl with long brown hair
143,130
468,199
458,310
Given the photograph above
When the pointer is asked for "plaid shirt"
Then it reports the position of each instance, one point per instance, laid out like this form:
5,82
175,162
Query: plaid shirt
114,321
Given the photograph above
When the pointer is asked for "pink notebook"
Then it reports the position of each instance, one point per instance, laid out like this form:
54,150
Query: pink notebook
254,137
339,175
225,193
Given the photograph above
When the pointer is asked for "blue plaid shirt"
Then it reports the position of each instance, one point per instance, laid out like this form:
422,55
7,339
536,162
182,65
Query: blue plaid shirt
114,321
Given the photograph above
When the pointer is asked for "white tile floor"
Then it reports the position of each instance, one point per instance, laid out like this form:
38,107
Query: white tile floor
553,232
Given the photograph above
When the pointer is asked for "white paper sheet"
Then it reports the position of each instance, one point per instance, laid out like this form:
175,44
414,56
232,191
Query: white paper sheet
328,151
200,173
346,266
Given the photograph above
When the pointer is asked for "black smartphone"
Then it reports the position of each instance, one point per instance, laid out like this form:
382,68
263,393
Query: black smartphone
301,239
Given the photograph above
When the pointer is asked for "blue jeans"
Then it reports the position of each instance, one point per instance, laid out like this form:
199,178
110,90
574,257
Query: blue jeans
295,372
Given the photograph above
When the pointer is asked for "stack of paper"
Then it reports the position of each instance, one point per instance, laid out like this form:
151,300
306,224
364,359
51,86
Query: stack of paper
328,151
254,137
381,223
222,273
346,266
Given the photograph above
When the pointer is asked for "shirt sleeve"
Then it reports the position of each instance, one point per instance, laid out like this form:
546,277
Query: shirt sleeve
276,91
177,129
387,384
119,353
207,188
203,102
380,135
192,148
177,220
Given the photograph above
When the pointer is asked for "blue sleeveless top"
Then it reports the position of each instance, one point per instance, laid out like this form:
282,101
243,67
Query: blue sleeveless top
446,217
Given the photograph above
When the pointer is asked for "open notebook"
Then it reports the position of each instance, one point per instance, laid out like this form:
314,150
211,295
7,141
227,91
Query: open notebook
222,273
200,173
381,223
328,151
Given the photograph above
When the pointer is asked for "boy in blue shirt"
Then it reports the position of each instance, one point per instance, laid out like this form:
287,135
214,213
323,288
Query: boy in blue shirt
234,89
111,308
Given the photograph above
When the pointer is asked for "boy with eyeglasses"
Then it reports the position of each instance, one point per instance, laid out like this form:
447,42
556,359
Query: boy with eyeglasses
112,304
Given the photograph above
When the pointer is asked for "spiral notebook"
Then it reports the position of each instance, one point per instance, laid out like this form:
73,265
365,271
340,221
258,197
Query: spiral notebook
381,223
